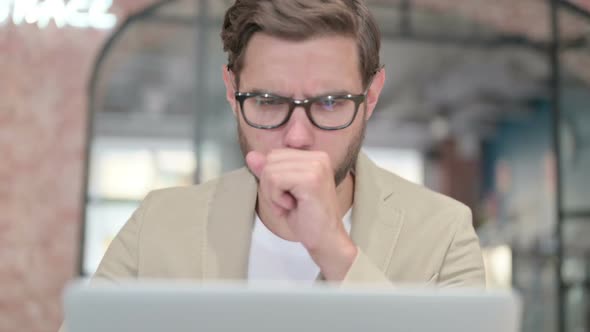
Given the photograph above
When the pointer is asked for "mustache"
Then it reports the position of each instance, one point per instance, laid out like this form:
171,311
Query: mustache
341,170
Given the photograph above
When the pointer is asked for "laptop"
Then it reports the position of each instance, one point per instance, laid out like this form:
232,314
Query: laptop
184,306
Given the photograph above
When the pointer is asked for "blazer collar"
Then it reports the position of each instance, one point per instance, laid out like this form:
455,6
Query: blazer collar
229,227
376,222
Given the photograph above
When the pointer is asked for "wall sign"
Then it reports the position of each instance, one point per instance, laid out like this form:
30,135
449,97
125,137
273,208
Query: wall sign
73,13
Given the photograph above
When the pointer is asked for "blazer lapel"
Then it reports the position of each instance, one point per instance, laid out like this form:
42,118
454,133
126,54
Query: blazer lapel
229,227
376,221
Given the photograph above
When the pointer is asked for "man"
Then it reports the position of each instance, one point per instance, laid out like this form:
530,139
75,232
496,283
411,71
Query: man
303,78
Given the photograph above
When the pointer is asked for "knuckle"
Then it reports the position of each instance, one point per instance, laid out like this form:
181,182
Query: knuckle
324,159
273,178
314,178
317,168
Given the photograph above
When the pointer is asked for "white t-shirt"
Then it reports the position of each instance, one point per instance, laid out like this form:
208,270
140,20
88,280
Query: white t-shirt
275,259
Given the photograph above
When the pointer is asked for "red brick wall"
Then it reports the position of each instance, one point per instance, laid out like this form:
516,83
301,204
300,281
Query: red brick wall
43,110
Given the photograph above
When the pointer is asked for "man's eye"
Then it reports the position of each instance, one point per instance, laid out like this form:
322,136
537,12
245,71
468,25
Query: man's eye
330,103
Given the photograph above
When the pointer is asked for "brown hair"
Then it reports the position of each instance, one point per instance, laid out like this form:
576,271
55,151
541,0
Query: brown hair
299,20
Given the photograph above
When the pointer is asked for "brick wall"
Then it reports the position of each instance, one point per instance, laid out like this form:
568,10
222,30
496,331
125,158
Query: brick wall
43,111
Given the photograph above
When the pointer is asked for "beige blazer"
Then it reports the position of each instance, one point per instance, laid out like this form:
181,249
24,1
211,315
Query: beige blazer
405,233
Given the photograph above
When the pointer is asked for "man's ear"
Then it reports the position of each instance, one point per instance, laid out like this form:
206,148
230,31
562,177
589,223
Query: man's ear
374,92
230,90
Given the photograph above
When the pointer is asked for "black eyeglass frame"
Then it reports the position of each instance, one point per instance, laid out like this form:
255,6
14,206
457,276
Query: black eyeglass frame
294,103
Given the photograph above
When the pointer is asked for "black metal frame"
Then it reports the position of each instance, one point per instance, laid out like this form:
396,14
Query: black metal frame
555,85
552,49
557,118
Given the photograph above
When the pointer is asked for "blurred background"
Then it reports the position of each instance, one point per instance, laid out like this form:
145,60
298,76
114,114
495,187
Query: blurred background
102,101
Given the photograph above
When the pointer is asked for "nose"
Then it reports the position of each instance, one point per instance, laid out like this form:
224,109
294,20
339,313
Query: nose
299,131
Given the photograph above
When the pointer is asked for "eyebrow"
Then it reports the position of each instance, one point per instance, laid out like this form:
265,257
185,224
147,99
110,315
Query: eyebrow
266,91
328,93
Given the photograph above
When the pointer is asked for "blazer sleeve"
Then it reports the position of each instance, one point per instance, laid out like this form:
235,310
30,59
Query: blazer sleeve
363,271
462,265
121,259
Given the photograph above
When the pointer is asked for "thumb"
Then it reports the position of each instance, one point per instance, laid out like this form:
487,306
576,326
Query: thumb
256,161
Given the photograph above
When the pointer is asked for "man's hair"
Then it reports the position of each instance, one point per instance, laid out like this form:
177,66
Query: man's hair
299,20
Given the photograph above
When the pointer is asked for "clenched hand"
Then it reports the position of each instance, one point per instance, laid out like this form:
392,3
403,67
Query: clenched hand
298,189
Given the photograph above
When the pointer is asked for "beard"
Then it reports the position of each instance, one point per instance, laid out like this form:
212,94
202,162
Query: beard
343,168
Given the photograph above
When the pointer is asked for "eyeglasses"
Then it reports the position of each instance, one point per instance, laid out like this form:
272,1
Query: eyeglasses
269,111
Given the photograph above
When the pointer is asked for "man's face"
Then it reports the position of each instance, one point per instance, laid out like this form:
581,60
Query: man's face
300,70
